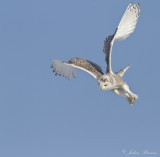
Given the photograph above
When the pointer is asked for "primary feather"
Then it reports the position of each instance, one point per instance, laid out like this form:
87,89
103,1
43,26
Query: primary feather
126,26
128,22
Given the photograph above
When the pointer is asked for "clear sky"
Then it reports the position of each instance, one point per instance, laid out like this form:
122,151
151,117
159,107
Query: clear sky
42,115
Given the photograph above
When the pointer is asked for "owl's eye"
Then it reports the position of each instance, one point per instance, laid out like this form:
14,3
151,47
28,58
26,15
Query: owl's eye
105,84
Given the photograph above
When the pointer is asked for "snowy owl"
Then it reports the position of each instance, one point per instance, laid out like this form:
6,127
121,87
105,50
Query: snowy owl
109,80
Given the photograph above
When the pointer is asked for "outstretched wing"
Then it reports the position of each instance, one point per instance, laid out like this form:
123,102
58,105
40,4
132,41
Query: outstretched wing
108,43
67,69
126,26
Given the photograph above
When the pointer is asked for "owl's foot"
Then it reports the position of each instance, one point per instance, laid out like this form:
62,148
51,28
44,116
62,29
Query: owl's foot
132,98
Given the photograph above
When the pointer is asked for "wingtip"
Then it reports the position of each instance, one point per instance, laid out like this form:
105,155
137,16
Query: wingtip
52,64
129,5
130,65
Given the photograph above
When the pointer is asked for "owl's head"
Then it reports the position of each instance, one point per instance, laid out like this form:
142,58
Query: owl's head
106,82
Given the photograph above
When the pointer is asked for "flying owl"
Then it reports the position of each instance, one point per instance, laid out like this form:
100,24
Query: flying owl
109,80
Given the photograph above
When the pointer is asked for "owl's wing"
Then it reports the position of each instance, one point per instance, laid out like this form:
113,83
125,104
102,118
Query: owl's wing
67,69
124,29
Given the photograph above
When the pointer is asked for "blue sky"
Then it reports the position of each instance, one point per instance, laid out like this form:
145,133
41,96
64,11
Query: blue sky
43,115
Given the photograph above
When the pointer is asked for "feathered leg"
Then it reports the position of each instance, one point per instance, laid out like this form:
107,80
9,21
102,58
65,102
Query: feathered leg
125,92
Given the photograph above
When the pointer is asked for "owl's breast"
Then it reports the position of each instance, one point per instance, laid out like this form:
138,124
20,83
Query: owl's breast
110,81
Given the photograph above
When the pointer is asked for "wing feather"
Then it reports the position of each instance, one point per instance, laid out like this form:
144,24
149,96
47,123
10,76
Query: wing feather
108,43
128,22
126,26
67,69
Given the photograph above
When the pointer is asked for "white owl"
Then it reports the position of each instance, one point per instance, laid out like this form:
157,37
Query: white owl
109,80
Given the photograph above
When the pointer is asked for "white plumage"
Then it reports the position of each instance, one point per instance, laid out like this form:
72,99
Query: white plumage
109,80
128,22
